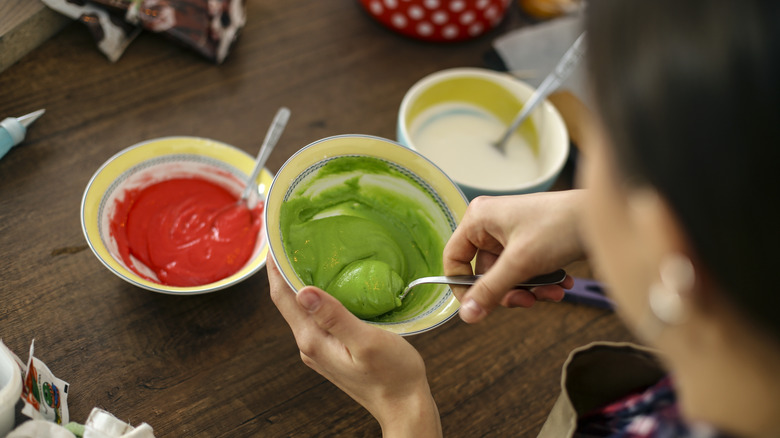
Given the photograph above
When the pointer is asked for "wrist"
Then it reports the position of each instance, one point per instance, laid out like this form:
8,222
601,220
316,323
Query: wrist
414,416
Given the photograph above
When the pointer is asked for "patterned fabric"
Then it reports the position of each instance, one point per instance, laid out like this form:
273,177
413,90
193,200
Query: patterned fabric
209,27
647,413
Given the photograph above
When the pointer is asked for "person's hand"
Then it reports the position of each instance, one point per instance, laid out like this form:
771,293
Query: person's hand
378,369
514,238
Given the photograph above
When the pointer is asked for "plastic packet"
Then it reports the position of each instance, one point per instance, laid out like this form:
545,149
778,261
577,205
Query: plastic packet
111,33
45,396
210,27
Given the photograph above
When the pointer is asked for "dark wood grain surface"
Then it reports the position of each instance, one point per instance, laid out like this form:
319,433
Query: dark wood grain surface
24,25
225,364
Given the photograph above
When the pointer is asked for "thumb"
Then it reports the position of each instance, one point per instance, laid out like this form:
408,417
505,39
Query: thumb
488,293
329,314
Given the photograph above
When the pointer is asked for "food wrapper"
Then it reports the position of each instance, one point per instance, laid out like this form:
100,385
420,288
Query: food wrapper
100,424
45,396
210,27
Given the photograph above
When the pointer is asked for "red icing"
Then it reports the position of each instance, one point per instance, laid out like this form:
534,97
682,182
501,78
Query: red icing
189,231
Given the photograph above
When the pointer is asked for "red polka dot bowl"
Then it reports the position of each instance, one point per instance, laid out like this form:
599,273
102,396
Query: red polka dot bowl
438,20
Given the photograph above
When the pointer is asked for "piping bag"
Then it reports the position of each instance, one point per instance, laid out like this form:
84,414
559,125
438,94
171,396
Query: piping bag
13,130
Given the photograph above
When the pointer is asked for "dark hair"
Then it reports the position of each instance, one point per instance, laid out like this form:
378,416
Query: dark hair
689,92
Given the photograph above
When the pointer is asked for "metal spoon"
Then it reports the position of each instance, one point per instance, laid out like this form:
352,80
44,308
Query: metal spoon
555,277
553,80
271,137
241,207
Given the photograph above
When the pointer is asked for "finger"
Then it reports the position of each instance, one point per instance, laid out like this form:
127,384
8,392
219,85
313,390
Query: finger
485,260
457,256
466,252
305,331
331,316
459,291
458,253
489,291
549,293
518,298
283,296
554,292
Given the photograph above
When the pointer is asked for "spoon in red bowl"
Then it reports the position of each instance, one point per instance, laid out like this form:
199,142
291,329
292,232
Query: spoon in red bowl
238,215
271,138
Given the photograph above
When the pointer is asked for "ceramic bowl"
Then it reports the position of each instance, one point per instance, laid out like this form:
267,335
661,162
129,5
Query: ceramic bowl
412,181
490,100
156,160
438,20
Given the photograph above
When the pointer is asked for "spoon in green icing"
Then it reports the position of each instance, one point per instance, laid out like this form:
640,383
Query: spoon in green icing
555,277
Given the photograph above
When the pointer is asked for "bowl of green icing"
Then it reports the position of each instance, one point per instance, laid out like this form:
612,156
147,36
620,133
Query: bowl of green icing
360,217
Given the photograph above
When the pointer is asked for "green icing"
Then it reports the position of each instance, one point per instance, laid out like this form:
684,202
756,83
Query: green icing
359,240
368,288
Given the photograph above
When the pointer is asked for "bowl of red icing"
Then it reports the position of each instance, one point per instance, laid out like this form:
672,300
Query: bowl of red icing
163,215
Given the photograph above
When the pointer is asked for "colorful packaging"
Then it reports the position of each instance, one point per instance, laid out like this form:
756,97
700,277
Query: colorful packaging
207,26
45,396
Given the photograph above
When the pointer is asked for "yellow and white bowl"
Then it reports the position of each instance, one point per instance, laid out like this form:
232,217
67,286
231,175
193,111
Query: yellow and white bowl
419,181
451,116
157,160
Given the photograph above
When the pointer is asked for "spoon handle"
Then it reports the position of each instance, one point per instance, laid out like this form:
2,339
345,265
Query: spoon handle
553,80
555,277
271,137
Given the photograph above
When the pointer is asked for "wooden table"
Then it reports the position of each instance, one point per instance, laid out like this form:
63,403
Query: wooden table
25,24
225,363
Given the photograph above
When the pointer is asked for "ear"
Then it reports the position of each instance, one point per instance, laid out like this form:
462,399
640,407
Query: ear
672,293
661,235
659,230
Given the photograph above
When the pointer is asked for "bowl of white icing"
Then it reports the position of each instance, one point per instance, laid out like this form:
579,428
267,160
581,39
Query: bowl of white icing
454,117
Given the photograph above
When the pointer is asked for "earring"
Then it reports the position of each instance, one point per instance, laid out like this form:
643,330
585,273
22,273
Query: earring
666,296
